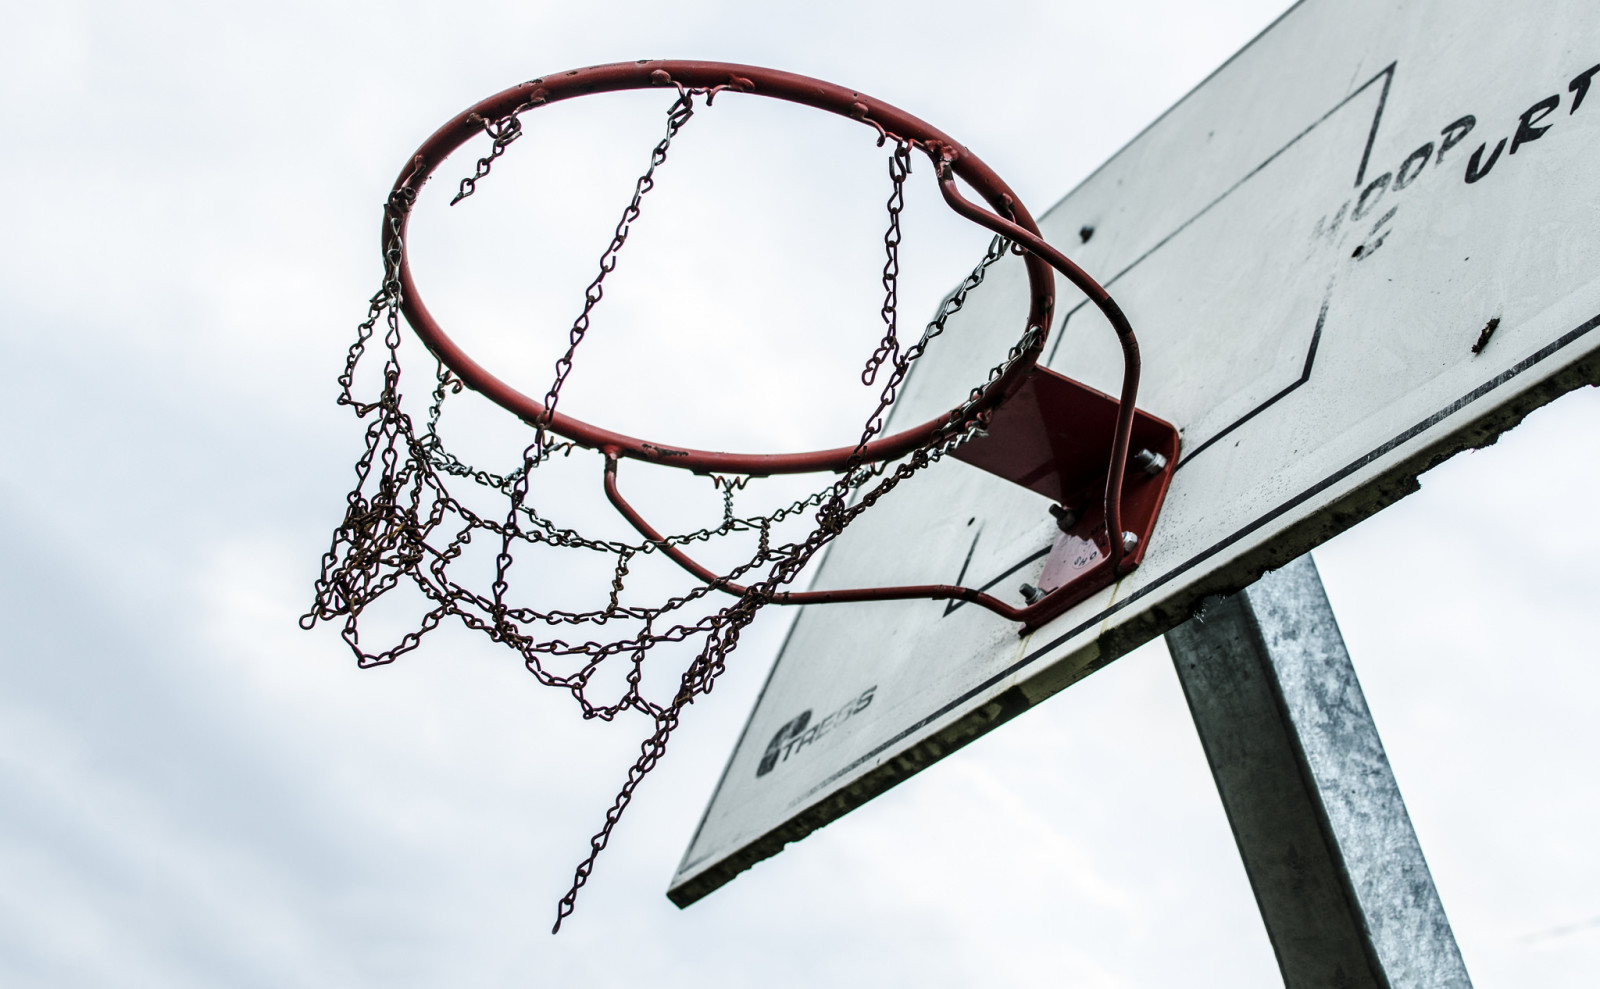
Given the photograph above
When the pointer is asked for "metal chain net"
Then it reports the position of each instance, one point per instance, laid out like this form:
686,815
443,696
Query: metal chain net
403,526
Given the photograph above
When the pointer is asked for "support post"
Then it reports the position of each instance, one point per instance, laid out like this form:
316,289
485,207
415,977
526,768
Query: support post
1335,865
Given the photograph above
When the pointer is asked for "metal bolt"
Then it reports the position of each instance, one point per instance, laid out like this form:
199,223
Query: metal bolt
1030,593
1066,518
1150,462
1129,542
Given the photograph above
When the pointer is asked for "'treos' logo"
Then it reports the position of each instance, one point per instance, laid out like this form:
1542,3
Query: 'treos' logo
798,732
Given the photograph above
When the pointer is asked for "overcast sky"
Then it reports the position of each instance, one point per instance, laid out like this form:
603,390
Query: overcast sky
194,792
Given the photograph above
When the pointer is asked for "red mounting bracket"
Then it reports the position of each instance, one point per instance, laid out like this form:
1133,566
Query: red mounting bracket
1054,437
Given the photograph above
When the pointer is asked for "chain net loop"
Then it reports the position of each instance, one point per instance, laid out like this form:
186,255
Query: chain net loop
403,524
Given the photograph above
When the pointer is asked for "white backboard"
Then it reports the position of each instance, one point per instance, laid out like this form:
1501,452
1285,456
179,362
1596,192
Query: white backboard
1367,242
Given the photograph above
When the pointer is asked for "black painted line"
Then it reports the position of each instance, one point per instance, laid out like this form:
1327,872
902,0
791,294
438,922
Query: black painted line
1169,111
1305,375
1007,573
1386,74
961,577
1372,135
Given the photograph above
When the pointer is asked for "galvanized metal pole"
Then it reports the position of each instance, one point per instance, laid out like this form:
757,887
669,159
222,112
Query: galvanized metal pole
1336,867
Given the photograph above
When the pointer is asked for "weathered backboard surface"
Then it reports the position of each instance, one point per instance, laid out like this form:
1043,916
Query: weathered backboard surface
1368,241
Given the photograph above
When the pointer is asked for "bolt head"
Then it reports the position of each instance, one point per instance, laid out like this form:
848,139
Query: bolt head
1065,517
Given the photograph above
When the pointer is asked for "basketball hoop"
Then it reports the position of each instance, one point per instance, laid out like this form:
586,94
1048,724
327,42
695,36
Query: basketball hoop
1025,423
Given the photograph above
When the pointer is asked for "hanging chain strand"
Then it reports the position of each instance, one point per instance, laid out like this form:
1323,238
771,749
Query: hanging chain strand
889,347
677,116
404,528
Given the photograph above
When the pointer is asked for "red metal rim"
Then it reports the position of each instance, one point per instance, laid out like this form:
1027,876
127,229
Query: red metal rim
890,121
